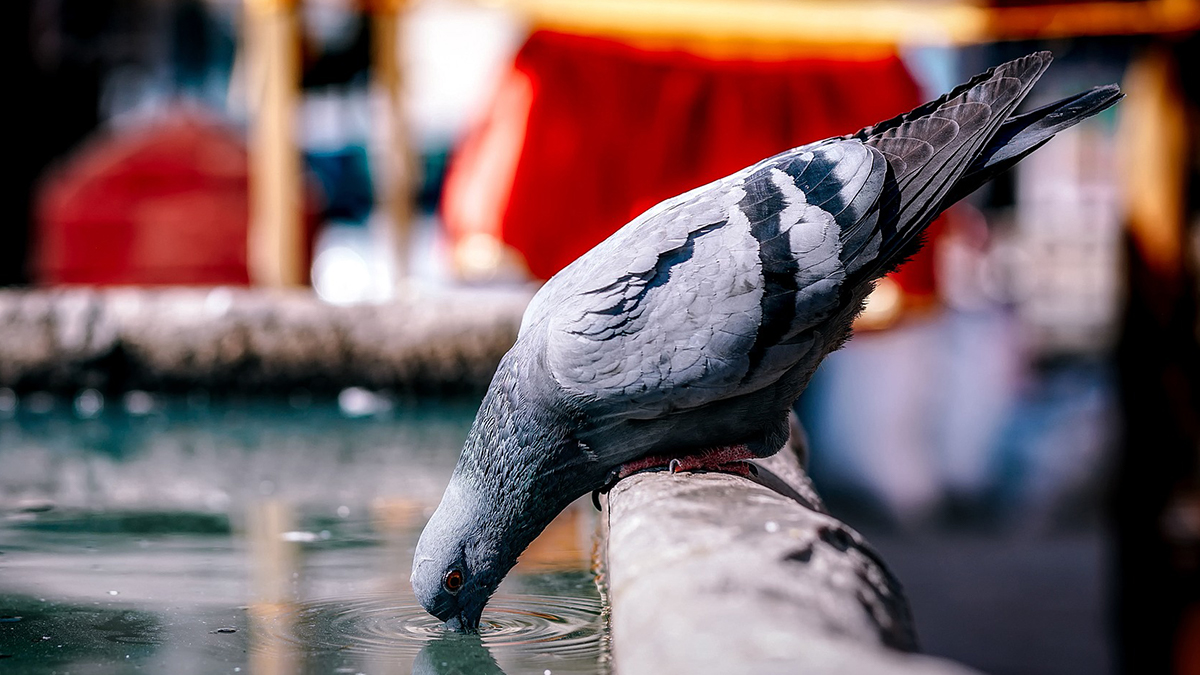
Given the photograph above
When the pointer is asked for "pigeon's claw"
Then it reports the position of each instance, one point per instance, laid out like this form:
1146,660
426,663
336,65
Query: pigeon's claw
728,459
613,477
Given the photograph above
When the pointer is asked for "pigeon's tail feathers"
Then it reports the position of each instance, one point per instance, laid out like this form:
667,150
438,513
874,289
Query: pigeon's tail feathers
926,108
929,149
1022,134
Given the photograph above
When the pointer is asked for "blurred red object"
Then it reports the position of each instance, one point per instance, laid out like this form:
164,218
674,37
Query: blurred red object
159,203
586,133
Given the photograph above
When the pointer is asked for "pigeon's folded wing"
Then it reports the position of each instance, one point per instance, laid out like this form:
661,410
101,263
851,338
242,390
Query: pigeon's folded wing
716,292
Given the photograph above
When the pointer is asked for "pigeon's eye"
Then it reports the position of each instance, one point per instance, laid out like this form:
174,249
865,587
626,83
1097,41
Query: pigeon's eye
453,581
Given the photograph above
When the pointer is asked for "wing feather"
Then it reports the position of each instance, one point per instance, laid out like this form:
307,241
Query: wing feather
680,307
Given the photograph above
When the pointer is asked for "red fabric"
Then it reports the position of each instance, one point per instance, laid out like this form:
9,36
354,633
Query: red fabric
603,130
164,203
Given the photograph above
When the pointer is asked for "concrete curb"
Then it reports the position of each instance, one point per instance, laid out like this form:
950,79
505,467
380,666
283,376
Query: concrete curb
712,573
428,340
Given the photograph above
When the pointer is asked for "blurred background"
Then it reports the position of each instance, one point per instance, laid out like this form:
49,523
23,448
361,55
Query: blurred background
240,233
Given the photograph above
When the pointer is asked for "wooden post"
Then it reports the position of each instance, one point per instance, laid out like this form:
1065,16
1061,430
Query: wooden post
395,191
275,246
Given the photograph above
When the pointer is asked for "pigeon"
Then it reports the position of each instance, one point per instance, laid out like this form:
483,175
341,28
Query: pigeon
688,334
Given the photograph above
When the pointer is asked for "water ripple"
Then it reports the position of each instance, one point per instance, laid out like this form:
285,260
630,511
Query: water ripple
384,625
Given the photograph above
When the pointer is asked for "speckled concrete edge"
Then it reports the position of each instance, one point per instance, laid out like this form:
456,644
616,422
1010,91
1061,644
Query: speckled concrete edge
426,340
712,573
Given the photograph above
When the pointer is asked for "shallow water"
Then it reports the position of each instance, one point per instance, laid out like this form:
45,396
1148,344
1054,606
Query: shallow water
253,537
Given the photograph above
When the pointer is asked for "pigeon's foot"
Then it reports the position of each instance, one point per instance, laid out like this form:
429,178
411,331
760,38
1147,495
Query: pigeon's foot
728,459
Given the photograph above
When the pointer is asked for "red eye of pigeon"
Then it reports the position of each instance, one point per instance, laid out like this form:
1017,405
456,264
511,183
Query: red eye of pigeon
453,581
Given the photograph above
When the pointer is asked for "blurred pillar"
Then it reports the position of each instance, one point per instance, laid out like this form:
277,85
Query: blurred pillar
1156,498
395,190
273,566
276,243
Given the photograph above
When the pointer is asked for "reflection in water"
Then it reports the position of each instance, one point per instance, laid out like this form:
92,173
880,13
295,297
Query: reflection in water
386,625
273,567
56,636
224,542
455,654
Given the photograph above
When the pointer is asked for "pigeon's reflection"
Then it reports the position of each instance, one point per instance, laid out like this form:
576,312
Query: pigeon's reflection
456,654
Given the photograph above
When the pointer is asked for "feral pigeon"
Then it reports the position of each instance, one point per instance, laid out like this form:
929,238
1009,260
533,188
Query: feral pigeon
696,326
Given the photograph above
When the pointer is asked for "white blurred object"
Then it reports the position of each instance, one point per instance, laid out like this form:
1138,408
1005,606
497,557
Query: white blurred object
1068,218
335,118
359,402
455,53
89,403
351,266
138,402
341,276
965,264
218,301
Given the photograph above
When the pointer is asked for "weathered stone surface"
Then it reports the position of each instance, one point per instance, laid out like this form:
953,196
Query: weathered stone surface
253,340
712,573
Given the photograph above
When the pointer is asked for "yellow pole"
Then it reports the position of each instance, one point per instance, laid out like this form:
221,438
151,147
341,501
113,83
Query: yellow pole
785,24
396,190
275,246
1154,144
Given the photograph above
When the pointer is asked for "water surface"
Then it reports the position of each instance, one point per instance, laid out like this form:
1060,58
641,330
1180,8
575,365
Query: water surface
257,537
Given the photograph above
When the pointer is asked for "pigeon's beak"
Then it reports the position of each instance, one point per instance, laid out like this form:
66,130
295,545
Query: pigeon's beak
443,607
461,623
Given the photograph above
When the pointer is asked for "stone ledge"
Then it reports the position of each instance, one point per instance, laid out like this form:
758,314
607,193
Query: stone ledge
712,573
428,340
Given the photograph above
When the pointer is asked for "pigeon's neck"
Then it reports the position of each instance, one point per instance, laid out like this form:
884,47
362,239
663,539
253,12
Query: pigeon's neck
518,461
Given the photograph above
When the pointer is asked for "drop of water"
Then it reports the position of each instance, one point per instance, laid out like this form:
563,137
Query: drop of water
139,403
89,403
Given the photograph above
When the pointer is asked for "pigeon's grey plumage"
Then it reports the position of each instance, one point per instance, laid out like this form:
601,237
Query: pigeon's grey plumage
699,323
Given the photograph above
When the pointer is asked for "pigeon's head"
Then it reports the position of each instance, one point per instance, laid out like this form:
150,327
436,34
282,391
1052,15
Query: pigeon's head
454,570
509,484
